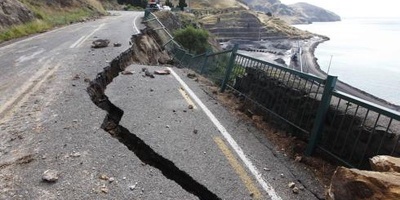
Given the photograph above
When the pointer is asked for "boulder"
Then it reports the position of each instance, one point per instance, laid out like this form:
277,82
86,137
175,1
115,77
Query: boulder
385,164
359,184
100,43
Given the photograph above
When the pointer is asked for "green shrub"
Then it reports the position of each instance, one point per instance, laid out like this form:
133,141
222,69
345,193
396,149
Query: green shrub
36,26
192,39
169,3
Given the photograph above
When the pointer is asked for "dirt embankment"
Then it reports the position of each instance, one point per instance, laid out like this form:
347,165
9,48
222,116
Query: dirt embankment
41,15
13,13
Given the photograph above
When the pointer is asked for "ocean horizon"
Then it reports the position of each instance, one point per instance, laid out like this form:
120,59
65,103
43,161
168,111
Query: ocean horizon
362,52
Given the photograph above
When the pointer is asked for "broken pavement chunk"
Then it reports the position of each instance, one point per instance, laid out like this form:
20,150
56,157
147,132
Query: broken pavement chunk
126,72
100,43
162,72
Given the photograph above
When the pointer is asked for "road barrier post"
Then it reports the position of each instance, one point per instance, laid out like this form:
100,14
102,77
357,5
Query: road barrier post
318,126
146,13
203,68
229,68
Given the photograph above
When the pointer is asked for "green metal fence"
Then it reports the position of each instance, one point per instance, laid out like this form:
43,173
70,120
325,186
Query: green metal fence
211,65
290,95
356,130
349,129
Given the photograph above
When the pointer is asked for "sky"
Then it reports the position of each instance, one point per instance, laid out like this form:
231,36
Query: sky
356,8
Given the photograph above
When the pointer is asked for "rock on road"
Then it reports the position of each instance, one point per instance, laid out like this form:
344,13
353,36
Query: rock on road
48,124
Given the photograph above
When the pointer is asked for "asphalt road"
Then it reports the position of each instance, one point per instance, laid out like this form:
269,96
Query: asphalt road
47,121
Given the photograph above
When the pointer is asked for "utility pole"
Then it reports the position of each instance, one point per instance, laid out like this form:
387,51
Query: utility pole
329,66
299,55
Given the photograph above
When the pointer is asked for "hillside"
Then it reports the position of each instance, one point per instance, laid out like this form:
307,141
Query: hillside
314,13
226,19
211,4
23,17
14,12
232,19
299,13
248,25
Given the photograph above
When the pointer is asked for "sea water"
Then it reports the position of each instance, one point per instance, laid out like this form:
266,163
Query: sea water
365,53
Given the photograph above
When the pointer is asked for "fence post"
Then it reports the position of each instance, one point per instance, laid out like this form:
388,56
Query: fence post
229,68
146,13
203,68
318,126
184,54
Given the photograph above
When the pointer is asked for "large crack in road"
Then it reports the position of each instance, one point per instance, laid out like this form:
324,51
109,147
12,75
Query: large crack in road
144,152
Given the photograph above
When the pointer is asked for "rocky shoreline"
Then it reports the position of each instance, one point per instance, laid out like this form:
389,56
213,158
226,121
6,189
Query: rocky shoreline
280,51
350,89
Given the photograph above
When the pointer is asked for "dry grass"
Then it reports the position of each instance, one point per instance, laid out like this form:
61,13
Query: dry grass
49,16
97,5
281,26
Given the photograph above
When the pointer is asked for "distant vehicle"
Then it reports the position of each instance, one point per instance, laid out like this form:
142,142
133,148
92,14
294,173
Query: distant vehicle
154,4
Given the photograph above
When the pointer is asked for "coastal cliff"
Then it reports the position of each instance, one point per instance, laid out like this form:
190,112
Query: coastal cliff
299,13
315,13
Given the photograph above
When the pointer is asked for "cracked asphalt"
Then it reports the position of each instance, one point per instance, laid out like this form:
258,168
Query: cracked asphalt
47,121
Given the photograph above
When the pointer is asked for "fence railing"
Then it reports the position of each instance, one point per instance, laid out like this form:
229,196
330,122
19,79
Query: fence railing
211,65
349,129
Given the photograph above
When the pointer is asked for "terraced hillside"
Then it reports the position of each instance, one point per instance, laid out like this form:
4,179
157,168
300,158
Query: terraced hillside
247,25
211,4
232,19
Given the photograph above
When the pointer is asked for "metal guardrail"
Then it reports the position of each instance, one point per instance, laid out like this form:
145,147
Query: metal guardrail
349,129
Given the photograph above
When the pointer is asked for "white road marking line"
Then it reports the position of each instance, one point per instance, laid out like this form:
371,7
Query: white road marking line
134,25
30,87
77,42
87,37
29,57
264,184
